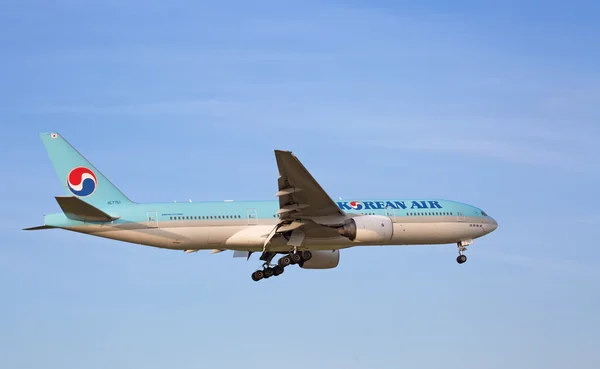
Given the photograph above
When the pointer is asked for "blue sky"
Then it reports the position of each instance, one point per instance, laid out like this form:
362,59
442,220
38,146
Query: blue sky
495,105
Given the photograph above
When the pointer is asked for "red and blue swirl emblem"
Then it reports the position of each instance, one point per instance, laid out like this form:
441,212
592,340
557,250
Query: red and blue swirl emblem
82,182
356,205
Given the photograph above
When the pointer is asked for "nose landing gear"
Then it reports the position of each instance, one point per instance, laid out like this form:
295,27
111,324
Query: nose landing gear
462,246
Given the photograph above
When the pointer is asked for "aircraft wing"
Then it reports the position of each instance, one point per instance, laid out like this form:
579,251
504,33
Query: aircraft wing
300,195
302,203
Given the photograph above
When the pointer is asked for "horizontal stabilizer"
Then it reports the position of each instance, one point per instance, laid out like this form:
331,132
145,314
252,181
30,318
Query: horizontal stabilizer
38,228
77,209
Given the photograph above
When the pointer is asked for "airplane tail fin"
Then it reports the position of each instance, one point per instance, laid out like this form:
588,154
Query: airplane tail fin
78,176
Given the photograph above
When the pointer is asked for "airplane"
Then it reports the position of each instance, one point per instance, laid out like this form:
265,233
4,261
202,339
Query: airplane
304,225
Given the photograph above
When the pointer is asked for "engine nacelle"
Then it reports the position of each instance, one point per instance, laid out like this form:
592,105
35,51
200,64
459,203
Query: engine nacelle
368,228
323,259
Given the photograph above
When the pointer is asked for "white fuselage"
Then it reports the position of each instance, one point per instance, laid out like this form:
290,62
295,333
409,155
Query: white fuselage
237,234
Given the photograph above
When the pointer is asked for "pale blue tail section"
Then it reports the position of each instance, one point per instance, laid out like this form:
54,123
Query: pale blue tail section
78,176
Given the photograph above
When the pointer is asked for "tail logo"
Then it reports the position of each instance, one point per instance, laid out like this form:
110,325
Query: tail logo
82,182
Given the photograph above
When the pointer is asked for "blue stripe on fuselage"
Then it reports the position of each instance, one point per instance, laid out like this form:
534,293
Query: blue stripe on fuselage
266,209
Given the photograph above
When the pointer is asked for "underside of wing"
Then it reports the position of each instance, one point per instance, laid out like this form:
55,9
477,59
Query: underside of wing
300,195
304,207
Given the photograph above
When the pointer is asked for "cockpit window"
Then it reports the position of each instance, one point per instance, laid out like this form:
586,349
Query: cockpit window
484,213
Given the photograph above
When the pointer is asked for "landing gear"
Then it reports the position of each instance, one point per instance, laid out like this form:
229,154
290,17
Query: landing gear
269,271
284,261
462,246
296,258
306,255
258,275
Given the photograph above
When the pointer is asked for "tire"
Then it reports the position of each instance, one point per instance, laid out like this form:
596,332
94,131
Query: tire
296,258
268,272
258,275
306,255
285,261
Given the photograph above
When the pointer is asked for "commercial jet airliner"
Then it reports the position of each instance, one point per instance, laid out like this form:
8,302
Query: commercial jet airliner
304,224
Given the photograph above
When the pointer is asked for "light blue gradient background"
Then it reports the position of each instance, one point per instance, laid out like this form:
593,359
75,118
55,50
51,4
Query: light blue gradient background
491,103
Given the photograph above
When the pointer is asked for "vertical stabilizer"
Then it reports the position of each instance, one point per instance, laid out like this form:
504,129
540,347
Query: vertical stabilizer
78,176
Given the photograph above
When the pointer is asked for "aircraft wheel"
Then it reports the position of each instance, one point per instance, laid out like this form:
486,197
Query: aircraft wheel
258,275
284,261
296,258
268,272
306,255
278,270
461,259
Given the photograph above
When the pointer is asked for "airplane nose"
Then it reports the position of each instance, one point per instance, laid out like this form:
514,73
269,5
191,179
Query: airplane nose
492,225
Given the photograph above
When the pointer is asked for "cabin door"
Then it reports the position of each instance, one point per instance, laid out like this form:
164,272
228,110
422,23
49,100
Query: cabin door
252,216
152,219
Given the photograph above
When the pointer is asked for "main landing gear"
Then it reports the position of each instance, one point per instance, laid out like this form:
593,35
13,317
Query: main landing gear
292,258
462,246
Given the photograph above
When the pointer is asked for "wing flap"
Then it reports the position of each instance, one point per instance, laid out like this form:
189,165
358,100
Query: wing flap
290,227
292,207
287,191
296,238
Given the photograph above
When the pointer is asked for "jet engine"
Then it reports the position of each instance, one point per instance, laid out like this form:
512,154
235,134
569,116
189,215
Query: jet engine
367,228
322,259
